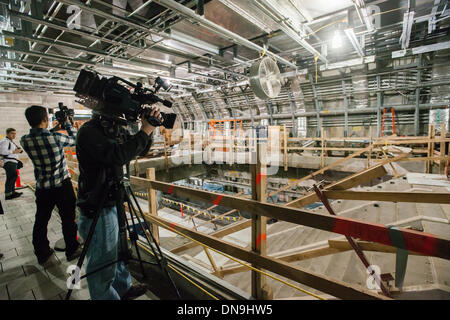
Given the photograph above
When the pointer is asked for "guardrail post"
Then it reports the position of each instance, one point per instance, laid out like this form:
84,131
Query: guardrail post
442,150
152,203
259,223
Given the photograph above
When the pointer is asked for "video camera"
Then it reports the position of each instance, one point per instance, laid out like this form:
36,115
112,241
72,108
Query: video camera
64,113
109,97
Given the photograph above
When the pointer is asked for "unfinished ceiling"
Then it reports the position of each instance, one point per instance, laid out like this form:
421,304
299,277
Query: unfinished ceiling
324,49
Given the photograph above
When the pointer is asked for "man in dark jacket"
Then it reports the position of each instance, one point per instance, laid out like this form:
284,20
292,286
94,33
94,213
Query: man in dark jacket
101,151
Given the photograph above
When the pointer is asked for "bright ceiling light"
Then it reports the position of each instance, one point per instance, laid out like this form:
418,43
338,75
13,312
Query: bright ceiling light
336,42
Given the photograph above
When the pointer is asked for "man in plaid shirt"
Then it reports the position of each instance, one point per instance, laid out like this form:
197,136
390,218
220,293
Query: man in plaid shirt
53,185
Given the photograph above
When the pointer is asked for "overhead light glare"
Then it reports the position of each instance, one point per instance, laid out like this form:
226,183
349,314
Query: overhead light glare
336,42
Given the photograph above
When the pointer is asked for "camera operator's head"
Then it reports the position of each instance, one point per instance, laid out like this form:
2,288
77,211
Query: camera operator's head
37,117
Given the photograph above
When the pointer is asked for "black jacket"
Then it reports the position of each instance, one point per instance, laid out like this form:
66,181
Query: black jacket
99,153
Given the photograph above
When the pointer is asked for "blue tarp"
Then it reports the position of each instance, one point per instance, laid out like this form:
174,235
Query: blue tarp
212,187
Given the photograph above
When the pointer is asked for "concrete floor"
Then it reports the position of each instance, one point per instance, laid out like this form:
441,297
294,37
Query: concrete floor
21,277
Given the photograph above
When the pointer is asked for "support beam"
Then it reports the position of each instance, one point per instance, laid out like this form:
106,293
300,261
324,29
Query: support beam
417,110
417,197
293,108
269,107
379,104
345,109
259,223
152,203
235,227
346,183
316,105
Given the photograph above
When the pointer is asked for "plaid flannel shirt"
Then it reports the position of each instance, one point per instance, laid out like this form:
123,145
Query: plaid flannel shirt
46,151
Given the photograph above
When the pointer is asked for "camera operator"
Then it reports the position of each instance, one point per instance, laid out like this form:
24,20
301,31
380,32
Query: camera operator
102,150
53,185
10,153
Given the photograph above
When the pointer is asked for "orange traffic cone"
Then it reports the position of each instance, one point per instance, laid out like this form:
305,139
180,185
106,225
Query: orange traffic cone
18,184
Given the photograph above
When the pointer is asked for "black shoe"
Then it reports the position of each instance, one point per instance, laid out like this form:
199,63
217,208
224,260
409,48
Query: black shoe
48,259
12,196
135,291
74,254
1,255
19,193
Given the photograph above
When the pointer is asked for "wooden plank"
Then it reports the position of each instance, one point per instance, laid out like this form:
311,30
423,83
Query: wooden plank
442,150
322,145
213,263
429,165
235,227
311,279
285,148
320,171
344,245
152,204
346,183
259,222
292,257
425,243
394,196
413,159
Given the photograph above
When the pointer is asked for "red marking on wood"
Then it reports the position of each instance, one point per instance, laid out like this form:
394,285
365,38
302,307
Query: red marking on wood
415,241
181,210
172,226
258,178
260,238
170,190
217,200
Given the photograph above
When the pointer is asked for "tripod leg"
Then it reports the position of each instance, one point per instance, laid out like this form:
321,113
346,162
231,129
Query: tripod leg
162,261
134,238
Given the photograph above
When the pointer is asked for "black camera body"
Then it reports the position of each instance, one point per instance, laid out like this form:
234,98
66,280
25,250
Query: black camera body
109,97
64,113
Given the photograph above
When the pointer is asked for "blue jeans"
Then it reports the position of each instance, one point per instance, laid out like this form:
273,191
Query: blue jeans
112,282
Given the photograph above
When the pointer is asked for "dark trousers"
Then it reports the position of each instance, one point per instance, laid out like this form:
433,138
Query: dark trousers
11,177
46,199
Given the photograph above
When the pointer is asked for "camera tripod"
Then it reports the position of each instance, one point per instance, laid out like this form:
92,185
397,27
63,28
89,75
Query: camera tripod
122,192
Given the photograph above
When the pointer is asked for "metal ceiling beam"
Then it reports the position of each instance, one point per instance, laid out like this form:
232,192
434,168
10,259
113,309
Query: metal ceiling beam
40,65
354,41
123,45
39,73
22,84
128,22
37,79
288,30
408,21
47,56
219,30
149,64
246,15
361,9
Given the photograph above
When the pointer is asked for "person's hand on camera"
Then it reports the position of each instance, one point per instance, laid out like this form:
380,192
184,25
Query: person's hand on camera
147,127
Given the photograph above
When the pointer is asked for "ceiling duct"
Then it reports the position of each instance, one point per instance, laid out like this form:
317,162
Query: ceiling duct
265,78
